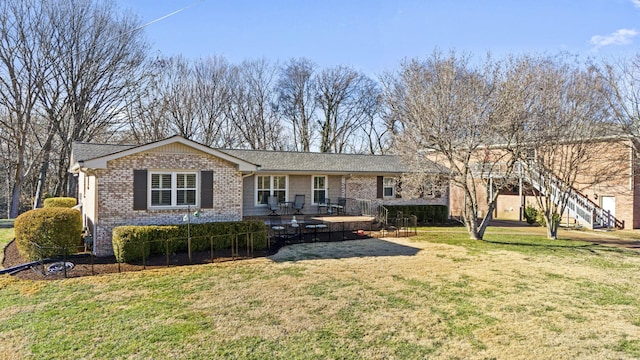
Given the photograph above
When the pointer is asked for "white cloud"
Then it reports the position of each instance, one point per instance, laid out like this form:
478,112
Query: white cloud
636,3
619,37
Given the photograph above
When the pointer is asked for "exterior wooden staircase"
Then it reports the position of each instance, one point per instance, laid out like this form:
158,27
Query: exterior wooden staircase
579,206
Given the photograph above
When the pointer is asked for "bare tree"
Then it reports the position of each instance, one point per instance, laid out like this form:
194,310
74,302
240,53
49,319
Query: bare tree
144,114
95,53
65,67
22,70
188,98
253,110
622,90
376,139
213,89
297,100
568,118
443,106
346,98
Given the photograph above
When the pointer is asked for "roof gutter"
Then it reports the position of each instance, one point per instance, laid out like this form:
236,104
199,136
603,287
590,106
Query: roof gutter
77,167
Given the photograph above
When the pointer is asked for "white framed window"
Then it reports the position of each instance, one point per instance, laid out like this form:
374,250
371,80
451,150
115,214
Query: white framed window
280,187
267,185
263,189
173,189
319,189
388,187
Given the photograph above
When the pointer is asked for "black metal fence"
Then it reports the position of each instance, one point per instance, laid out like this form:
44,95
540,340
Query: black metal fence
60,261
239,245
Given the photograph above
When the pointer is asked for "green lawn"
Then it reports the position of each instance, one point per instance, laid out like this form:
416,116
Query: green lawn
437,296
6,235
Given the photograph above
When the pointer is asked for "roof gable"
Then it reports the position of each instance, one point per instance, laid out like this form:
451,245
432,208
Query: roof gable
96,156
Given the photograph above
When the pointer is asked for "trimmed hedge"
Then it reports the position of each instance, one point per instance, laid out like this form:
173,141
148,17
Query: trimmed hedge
426,214
132,243
62,202
54,229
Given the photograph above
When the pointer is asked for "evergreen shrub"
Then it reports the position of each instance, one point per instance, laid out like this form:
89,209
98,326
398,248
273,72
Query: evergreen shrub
54,229
64,202
132,243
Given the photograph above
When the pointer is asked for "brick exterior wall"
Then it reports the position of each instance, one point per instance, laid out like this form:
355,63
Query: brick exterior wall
610,170
115,193
365,187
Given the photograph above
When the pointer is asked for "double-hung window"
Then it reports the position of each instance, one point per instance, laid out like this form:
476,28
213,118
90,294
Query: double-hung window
319,189
388,187
268,185
185,189
173,189
280,187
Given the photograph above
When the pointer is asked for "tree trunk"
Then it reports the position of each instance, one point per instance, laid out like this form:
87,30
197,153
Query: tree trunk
552,227
42,178
485,221
14,210
471,221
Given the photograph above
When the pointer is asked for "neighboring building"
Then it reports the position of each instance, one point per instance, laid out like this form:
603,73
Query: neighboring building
156,183
606,192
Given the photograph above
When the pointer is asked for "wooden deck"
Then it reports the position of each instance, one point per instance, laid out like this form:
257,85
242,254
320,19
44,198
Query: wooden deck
284,231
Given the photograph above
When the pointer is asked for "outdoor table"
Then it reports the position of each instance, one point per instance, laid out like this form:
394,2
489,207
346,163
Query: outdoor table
293,229
285,207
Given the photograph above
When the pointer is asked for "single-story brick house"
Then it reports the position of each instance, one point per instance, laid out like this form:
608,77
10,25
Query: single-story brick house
157,183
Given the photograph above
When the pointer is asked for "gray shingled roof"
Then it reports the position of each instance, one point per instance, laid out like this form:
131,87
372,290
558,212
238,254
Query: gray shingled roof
278,161
285,161
86,151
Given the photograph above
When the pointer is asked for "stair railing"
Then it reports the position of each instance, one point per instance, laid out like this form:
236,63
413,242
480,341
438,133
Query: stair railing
578,204
374,209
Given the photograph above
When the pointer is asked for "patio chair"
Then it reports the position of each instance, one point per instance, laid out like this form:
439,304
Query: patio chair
275,223
324,204
340,206
298,204
273,205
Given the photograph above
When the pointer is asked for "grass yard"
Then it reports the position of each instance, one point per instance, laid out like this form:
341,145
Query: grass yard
437,295
6,235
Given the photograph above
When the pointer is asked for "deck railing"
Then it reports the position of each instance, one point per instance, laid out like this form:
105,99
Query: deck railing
368,207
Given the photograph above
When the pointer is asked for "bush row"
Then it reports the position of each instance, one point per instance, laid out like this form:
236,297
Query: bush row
132,243
426,214
53,229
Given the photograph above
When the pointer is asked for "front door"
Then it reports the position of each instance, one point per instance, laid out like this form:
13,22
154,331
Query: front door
609,203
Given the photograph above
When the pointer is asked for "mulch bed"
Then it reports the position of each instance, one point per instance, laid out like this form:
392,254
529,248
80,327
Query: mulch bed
86,265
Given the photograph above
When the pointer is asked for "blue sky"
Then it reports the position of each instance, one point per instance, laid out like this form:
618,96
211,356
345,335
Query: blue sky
374,36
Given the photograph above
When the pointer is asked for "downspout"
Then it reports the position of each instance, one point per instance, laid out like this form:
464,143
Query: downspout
242,196
631,166
522,205
346,187
94,216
